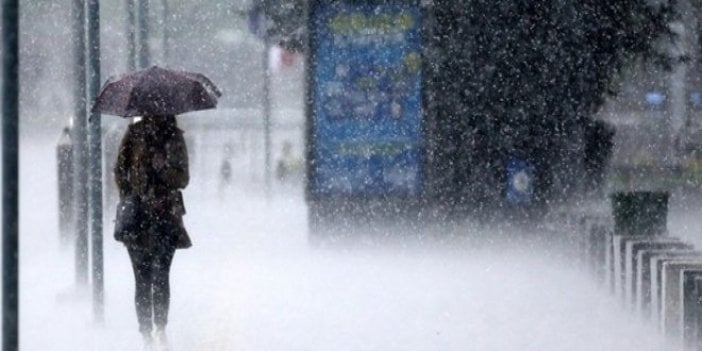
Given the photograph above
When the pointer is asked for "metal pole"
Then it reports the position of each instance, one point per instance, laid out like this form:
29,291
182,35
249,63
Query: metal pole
166,32
143,18
80,141
95,139
267,107
10,173
131,35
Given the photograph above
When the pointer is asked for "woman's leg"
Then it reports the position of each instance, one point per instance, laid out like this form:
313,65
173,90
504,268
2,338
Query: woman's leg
161,284
142,266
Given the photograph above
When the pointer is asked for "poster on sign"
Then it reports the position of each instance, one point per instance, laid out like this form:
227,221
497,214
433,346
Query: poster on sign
365,98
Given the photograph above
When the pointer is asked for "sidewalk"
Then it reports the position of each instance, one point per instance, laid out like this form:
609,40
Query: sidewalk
251,282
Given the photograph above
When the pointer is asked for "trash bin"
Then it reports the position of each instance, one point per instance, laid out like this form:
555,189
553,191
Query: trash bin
640,212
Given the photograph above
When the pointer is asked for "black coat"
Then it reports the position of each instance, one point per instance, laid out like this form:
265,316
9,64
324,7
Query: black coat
152,166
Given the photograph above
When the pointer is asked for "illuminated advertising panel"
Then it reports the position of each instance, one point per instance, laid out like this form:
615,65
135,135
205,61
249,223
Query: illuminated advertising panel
365,98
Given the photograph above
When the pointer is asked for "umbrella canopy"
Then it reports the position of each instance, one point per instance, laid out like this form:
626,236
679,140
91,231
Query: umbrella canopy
156,91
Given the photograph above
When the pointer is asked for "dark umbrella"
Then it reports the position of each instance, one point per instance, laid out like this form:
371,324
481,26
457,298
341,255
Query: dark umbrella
156,91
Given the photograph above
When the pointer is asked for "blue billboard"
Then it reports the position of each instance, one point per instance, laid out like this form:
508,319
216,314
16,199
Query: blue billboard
366,98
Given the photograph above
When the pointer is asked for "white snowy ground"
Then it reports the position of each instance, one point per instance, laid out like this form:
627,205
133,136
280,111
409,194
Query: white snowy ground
252,282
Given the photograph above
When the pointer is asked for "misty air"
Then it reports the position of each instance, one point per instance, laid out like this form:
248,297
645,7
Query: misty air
352,175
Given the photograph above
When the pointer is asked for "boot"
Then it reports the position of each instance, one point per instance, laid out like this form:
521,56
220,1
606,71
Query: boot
161,340
148,342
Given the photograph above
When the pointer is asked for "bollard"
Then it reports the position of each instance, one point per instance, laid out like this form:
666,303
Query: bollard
643,272
631,251
618,246
597,234
672,314
640,212
64,162
697,318
657,263
691,308
608,236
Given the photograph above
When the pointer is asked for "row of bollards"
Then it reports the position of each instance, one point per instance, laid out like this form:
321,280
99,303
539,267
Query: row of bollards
656,276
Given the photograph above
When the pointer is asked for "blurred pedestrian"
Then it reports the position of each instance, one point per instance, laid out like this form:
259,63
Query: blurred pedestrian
288,165
225,176
151,170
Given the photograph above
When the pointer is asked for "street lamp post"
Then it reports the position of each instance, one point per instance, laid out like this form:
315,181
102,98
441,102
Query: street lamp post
10,173
80,157
131,35
166,32
143,48
266,99
95,168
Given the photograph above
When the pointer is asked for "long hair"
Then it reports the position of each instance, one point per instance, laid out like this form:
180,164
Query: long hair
159,128
169,124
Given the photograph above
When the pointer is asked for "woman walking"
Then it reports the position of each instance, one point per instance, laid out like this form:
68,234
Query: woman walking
151,169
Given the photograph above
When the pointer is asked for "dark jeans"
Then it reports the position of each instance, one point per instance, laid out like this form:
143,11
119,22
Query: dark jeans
152,296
